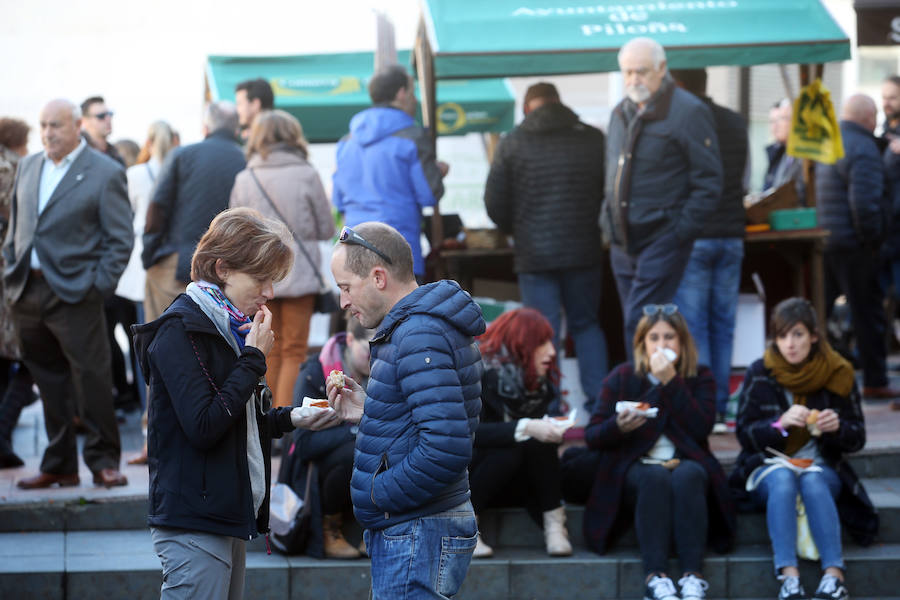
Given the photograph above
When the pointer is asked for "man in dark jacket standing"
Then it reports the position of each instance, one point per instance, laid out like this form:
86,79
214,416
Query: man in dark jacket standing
545,189
708,294
851,205
417,416
386,167
194,186
663,180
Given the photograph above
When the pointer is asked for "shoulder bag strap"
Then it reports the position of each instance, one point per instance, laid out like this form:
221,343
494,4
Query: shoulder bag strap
296,239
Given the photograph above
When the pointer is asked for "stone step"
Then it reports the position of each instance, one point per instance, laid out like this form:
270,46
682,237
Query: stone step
122,564
502,528
512,527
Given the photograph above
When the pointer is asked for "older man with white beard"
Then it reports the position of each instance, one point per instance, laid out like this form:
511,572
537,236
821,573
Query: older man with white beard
663,180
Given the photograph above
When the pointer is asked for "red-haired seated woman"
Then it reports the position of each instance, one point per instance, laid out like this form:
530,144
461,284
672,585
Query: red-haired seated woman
654,466
515,460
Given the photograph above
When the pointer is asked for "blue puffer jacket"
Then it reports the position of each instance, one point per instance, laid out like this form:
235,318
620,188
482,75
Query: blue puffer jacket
386,172
850,196
423,400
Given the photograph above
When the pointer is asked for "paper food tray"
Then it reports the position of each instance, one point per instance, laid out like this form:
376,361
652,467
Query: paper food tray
307,409
623,405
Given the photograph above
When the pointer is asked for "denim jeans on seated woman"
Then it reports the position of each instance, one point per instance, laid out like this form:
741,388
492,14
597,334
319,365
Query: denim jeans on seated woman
708,297
426,557
777,492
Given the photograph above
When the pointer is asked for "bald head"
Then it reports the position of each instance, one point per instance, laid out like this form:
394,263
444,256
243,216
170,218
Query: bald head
860,109
60,122
643,65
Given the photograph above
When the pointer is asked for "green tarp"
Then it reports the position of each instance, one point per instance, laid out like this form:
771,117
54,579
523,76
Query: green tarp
324,91
474,38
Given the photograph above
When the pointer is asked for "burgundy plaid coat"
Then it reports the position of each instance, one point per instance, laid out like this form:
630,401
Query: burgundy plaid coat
686,416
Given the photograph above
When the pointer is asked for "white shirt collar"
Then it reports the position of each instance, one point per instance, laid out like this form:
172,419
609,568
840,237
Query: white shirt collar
70,157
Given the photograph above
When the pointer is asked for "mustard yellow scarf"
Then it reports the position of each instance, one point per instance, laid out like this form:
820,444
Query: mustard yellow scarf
825,369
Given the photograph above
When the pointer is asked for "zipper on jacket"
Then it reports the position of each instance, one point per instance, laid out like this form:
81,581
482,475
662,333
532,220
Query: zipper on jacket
203,492
618,203
382,467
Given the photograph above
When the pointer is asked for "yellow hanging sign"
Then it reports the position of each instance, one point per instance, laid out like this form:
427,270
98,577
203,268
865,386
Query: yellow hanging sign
815,133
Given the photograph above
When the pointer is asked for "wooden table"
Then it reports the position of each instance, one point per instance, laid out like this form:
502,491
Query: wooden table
803,250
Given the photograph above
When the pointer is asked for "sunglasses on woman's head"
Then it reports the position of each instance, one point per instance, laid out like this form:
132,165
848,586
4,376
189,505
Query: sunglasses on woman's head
655,309
348,236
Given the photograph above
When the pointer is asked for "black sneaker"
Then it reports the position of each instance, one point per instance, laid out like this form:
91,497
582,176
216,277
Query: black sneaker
791,588
831,588
661,588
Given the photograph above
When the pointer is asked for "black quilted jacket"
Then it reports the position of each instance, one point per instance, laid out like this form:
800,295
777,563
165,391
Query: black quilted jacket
546,187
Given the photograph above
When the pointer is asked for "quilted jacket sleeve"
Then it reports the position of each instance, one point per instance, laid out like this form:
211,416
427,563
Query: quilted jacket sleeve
203,414
428,379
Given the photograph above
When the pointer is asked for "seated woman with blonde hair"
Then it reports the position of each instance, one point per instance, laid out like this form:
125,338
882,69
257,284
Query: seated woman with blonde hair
653,463
799,413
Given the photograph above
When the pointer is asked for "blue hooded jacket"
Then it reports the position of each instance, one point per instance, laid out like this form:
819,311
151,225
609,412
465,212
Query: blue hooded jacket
386,172
423,400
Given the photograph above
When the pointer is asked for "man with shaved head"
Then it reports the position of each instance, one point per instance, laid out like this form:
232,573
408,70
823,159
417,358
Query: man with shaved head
69,240
852,205
663,180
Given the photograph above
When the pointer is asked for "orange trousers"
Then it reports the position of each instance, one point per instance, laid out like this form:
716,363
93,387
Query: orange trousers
290,323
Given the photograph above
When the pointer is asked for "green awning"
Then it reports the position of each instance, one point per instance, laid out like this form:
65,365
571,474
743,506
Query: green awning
510,38
324,91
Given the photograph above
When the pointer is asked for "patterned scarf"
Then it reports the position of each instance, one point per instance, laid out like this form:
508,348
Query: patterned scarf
826,369
235,317
518,402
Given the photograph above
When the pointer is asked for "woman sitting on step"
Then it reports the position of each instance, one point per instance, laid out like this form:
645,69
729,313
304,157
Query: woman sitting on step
653,464
331,447
515,460
799,413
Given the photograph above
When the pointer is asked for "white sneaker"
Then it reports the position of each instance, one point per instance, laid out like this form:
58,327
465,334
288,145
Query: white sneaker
660,588
831,588
791,588
692,587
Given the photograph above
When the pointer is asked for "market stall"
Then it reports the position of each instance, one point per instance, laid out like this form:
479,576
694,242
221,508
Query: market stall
324,91
465,39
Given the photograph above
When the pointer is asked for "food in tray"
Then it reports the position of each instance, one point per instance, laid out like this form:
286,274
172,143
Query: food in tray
337,379
564,422
314,403
641,408
801,462
812,423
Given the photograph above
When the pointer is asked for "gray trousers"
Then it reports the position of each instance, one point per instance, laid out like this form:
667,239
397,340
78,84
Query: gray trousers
199,565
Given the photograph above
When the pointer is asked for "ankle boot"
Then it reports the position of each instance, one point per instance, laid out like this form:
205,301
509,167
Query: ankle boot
556,536
335,544
482,550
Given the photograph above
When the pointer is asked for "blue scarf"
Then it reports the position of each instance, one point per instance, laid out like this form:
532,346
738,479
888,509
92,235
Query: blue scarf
235,317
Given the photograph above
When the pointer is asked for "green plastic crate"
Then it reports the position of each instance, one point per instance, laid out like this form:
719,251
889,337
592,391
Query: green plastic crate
792,218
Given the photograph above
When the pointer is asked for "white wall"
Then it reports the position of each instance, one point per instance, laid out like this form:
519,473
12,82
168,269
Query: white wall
147,58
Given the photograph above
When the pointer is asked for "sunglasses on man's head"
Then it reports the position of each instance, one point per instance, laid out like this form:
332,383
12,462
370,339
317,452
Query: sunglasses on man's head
102,115
655,309
348,236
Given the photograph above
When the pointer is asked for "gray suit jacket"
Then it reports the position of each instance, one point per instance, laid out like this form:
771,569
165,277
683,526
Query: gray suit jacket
84,235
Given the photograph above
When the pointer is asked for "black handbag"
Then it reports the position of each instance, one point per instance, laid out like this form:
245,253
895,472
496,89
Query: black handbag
326,302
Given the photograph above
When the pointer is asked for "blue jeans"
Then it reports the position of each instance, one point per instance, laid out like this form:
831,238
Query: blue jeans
426,557
778,493
648,277
707,297
577,292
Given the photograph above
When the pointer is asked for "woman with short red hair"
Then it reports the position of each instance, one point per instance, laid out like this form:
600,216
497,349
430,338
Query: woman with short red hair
515,461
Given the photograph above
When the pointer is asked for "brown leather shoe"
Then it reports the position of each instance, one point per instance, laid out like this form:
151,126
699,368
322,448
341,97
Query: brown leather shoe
895,405
45,480
880,393
109,478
